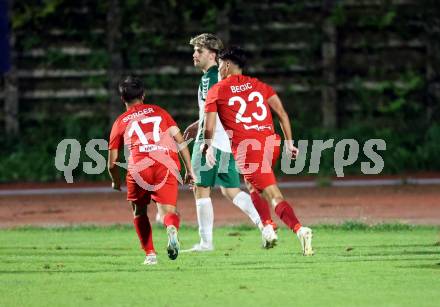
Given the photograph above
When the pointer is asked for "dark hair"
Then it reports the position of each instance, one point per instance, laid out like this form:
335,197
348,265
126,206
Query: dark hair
131,88
234,54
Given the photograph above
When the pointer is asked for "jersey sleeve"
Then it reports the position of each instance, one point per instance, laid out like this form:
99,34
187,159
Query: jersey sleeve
169,119
268,91
213,79
116,137
207,82
212,99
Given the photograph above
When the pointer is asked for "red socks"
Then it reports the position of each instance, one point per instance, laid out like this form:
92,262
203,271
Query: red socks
144,232
171,219
261,206
286,214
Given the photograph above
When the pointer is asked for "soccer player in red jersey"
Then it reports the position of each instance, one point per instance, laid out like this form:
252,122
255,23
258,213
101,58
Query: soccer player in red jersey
244,106
224,173
150,134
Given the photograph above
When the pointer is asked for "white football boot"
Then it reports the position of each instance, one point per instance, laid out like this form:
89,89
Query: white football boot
150,259
200,248
173,246
269,236
304,235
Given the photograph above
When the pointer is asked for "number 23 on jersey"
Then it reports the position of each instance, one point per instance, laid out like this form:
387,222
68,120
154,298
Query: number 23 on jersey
254,97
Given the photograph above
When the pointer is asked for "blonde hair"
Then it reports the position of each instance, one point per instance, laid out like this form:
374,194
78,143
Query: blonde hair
208,41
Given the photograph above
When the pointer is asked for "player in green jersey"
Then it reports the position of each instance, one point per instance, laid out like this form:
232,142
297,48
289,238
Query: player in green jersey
224,173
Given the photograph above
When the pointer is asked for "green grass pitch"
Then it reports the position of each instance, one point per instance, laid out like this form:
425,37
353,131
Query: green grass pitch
101,266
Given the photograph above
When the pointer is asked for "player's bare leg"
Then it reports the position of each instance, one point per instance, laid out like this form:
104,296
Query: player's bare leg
144,231
285,212
170,219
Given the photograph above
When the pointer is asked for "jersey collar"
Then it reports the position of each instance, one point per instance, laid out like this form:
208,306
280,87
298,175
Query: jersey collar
213,67
135,105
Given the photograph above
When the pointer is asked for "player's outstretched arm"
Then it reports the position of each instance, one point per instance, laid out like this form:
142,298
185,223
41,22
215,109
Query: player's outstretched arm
277,106
113,170
184,153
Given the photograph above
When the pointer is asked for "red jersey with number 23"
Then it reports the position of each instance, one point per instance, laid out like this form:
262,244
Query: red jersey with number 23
241,104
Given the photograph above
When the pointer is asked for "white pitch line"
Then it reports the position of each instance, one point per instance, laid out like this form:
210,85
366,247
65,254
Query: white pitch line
290,184
423,181
56,191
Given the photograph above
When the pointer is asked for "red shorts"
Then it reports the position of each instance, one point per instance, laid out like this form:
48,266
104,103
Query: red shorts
153,183
256,164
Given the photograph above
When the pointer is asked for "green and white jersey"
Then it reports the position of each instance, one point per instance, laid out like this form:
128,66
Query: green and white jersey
221,140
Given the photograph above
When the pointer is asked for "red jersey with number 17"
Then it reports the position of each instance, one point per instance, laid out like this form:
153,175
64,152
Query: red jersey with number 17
241,104
144,129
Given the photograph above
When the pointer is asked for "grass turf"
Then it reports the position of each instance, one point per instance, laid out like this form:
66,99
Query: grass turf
354,265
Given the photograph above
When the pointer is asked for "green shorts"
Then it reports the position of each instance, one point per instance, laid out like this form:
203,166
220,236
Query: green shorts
224,173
